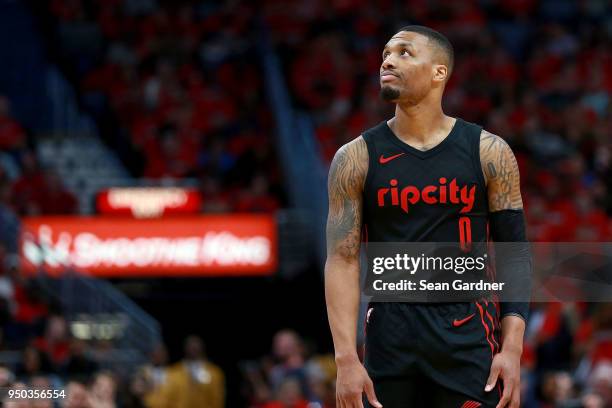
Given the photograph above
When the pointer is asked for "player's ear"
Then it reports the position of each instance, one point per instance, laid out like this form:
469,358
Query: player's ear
440,73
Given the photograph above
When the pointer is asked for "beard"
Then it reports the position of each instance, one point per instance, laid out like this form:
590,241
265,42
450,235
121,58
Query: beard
389,94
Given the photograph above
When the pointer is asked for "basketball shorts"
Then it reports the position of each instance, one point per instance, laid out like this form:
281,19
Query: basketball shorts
432,355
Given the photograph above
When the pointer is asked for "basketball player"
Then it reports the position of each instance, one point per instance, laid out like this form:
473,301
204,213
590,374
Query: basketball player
424,354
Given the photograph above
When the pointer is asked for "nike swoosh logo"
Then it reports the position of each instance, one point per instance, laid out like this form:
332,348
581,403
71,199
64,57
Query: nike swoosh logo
384,160
457,323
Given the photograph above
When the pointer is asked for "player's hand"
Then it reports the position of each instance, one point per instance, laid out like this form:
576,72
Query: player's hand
506,367
351,382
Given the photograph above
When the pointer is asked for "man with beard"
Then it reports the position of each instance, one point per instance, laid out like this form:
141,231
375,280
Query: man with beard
395,183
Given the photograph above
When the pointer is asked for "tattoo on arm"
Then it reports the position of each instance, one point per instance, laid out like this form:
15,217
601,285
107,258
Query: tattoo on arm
345,186
501,173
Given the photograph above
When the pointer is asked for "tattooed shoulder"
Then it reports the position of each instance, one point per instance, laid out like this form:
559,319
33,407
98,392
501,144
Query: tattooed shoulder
347,175
501,173
492,148
349,167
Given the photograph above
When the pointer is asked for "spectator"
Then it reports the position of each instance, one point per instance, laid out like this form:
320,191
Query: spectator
593,341
38,192
6,377
8,218
7,291
16,403
76,396
31,308
289,353
557,389
34,363
26,190
54,198
55,344
258,197
155,379
600,381
102,393
315,376
288,395
41,383
195,382
12,135
79,365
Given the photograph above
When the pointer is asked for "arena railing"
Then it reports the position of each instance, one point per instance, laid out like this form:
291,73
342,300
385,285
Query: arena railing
97,311
298,150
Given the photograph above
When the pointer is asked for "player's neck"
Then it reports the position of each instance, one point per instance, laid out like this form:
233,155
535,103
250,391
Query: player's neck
420,123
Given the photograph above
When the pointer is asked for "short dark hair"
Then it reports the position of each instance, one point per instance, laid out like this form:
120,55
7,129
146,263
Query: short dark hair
438,38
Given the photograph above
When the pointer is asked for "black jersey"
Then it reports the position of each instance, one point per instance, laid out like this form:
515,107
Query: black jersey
437,195
432,349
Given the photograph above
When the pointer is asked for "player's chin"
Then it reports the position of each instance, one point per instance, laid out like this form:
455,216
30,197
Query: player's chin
389,93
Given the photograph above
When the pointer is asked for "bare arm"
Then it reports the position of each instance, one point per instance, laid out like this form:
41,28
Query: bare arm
346,181
503,190
345,186
501,175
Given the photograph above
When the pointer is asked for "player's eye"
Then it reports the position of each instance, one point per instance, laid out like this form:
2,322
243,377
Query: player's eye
385,55
405,52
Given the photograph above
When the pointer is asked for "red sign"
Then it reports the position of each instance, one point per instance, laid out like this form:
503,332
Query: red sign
148,202
204,245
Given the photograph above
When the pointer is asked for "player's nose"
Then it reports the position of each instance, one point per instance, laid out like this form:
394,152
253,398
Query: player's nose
387,64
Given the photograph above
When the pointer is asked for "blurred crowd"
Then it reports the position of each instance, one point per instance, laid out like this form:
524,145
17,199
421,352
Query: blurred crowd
291,376
567,357
63,364
30,322
559,337
177,90
25,187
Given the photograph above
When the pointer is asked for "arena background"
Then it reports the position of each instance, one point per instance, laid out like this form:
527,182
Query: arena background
163,172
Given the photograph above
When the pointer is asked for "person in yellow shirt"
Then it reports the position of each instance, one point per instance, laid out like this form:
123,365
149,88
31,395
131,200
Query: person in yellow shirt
151,381
195,382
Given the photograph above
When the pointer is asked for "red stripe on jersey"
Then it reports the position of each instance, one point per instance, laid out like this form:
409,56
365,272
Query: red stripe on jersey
486,328
493,331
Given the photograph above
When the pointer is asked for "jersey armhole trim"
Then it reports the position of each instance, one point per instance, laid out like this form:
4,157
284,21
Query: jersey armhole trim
477,161
371,160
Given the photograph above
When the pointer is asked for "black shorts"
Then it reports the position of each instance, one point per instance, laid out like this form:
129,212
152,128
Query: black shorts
432,355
